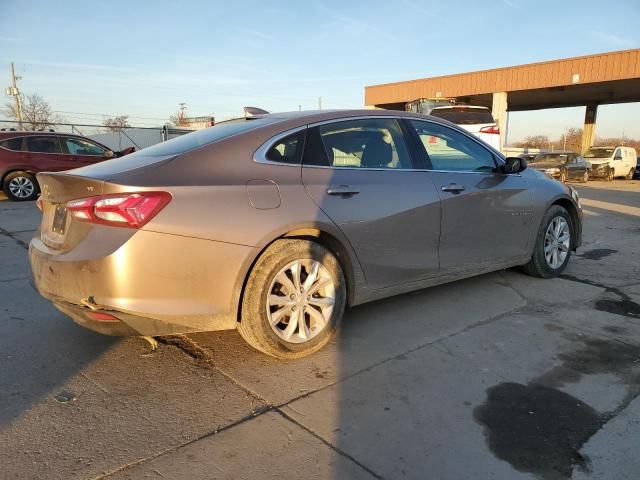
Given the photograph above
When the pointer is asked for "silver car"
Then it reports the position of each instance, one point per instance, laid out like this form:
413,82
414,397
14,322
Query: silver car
274,224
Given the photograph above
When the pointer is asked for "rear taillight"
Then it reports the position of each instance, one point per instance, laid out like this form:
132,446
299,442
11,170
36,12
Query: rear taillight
131,210
491,129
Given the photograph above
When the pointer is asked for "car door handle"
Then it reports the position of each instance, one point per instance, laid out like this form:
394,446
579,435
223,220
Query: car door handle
453,188
345,190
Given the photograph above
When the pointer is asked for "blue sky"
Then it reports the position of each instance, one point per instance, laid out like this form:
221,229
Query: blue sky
95,58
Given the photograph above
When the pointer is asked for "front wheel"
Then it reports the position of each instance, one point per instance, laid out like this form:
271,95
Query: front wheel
610,175
294,299
585,176
553,244
20,186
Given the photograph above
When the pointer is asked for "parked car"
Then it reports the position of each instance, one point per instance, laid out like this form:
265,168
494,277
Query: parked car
562,166
275,223
23,154
477,120
611,162
636,173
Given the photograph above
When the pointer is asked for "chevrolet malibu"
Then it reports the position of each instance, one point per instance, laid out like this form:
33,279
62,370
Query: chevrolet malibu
274,224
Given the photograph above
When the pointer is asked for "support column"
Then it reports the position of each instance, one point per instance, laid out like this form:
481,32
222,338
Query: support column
499,112
589,129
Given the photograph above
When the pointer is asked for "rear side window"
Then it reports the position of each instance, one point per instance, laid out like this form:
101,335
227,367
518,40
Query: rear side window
287,150
12,143
43,145
464,116
367,143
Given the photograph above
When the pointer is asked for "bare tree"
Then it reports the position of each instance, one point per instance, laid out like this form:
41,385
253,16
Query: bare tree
116,124
36,113
571,139
534,141
179,119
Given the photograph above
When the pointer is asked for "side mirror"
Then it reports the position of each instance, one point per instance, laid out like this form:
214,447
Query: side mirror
109,154
514,165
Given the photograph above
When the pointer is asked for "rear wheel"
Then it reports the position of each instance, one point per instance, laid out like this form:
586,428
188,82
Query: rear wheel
553,244
20,186
294,299
630,174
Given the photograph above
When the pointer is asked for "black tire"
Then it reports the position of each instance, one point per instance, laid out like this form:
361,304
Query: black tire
563,176
630,174
254,323
16,179
585,177
610,175
538,266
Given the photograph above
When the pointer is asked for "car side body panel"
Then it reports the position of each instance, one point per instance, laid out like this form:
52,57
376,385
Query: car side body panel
185,270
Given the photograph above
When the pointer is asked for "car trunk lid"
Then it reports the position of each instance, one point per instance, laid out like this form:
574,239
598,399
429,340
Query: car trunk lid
57,230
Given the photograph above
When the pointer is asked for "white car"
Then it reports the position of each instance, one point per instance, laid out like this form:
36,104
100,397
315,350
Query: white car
611,162
474,119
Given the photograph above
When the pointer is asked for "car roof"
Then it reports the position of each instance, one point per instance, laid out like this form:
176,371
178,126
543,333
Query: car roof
315,116
22,133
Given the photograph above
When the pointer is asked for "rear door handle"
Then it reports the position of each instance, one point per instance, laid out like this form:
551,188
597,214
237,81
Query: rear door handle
453,188
345,190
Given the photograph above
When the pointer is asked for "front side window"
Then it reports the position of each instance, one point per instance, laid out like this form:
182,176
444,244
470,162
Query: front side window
76,146
43,145
365,143
287,150
12,144
449,150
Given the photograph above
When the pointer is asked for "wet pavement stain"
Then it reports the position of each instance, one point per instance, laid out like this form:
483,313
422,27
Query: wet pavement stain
537,429
540,429
622,306
597,253
596,356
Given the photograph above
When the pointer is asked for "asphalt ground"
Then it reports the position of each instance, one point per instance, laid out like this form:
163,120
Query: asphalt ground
501,376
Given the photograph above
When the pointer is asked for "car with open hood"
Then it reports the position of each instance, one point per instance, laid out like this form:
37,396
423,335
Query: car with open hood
563,166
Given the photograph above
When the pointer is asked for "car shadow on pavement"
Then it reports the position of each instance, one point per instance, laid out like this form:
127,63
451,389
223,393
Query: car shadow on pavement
42,350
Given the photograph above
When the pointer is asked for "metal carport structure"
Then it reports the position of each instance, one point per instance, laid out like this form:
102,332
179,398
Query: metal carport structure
590,80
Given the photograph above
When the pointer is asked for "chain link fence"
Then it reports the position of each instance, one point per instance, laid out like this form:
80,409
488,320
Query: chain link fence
116,139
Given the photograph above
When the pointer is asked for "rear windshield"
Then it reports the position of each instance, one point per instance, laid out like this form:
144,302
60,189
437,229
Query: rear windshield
464,116
599,153
162,151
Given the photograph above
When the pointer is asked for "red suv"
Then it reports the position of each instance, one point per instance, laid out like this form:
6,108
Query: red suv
23,154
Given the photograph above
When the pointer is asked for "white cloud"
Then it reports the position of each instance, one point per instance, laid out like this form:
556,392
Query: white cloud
256,33
614,40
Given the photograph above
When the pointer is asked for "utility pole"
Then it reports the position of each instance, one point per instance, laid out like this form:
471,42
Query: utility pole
181,114
13,91
319,103
566,131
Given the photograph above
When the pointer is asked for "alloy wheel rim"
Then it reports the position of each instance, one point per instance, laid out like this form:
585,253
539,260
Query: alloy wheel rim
300,301
21,187
556,242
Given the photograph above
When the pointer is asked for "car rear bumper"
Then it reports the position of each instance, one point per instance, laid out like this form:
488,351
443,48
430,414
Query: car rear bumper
154,283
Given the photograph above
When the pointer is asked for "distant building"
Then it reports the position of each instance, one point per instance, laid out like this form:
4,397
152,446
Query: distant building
197,123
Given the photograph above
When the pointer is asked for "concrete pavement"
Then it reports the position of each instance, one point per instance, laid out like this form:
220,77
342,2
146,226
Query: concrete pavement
500,376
